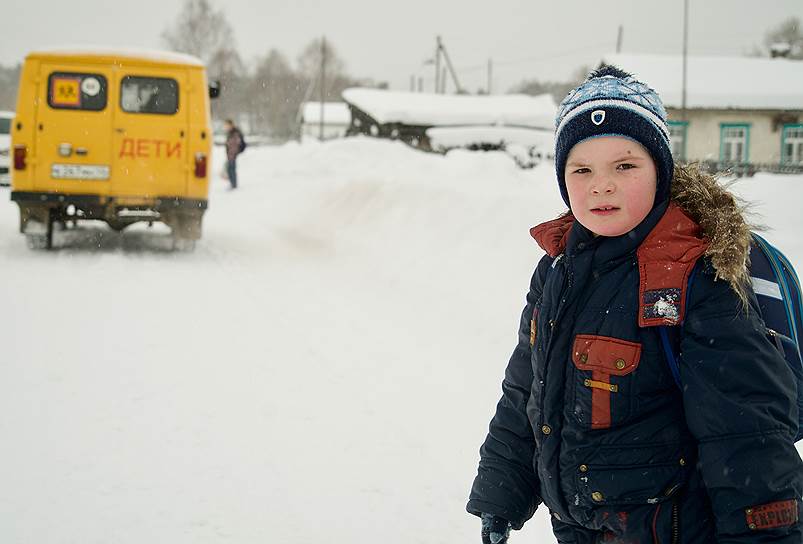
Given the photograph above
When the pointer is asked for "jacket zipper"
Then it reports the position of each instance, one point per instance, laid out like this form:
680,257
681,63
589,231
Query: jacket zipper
564,288
675,523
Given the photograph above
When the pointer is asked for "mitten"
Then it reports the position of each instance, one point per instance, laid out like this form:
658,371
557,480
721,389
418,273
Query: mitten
495,530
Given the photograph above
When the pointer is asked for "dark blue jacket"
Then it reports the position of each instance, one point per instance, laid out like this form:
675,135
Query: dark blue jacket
592,424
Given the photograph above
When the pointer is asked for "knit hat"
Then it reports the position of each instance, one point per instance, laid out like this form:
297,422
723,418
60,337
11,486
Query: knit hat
611,102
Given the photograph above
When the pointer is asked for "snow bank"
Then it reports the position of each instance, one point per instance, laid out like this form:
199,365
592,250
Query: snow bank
449,137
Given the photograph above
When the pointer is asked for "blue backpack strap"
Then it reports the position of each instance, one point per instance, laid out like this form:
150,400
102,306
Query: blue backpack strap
789,285
669,351
672,345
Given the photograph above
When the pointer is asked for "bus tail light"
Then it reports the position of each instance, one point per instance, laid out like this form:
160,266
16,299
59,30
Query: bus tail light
200,165
20,157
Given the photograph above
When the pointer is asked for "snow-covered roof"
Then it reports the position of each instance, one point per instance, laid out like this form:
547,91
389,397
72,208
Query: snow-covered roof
426,109
334,113
742,83
449,137
101,51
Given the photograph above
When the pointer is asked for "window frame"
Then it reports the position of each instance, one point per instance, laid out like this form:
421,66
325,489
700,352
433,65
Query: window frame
786,127
722,128
684,126
104,89
141,77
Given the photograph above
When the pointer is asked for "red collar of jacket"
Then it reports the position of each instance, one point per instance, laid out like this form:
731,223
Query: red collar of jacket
666,257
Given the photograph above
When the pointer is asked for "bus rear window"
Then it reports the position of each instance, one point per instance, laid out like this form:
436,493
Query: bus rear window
149,95
76,91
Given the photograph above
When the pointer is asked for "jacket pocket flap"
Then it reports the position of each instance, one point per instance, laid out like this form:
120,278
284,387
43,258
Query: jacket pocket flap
635,484
605,354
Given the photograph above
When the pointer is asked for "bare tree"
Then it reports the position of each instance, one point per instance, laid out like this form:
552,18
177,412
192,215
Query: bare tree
309,67
787,36
202,31
558,89
199,30
276,93
9,81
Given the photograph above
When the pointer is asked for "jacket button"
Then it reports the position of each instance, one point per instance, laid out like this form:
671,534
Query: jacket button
583,468
752,526
546,429
584,357
551,323
597,496
620,364
682,462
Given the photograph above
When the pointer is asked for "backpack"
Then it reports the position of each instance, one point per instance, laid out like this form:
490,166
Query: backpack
777,289
242,143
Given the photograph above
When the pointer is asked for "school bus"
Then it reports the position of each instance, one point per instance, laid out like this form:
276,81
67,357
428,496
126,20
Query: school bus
113,135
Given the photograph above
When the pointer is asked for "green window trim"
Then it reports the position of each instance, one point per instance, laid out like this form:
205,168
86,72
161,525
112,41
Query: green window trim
786,128
722,128
684,125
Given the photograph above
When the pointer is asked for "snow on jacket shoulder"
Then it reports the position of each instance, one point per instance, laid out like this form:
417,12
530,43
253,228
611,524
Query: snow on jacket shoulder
591,421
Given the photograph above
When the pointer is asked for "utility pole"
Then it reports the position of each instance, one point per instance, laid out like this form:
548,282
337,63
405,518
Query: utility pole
490,74
442,49
438,66
619,40
323,85
685,55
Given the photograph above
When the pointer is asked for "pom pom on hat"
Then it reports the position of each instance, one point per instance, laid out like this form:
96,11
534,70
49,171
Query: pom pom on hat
611,102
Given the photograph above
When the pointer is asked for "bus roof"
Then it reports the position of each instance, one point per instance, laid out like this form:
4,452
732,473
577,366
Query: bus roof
114,55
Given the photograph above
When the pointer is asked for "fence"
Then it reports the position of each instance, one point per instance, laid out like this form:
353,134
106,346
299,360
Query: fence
748,169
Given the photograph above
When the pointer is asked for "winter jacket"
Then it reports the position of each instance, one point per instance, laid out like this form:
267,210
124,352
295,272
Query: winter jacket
233,140
591,422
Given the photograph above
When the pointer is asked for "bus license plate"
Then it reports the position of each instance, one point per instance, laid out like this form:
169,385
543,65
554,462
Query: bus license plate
79,171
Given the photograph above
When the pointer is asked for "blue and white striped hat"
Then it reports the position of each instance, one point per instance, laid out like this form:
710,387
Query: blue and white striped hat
611,102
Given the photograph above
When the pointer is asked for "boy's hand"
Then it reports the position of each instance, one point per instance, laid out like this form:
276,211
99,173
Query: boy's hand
495,530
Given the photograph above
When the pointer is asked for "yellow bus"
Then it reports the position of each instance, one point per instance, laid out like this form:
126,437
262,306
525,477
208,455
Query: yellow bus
112,135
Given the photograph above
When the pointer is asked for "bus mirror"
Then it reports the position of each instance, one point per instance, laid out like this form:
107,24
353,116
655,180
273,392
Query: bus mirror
214,89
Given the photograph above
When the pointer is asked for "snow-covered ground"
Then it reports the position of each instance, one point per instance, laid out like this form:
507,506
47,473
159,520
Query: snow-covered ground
321,369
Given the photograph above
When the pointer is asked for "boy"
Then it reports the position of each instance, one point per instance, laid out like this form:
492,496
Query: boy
591,422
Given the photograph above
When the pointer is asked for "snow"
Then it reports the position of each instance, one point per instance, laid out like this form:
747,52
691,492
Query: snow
427,109
449,137
124,52
321,369
742,83
333,113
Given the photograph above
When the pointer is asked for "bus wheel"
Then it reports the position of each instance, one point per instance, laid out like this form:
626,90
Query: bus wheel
186,229
39,233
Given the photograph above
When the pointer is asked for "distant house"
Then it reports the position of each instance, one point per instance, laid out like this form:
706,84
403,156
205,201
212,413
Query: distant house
744,113
438,122
336,120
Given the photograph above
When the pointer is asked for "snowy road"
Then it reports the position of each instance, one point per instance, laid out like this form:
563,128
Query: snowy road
321,368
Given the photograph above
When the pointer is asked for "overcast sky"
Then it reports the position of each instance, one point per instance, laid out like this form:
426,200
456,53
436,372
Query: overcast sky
388,40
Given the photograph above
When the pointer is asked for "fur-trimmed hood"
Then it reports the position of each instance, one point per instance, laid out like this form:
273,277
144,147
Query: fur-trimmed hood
718,213
721,218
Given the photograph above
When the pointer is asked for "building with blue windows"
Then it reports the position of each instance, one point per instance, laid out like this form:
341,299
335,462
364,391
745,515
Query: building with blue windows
741,113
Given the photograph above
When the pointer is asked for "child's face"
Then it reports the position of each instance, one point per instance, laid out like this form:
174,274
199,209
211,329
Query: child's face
611,183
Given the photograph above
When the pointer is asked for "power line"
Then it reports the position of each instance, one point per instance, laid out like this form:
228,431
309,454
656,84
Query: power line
540,58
